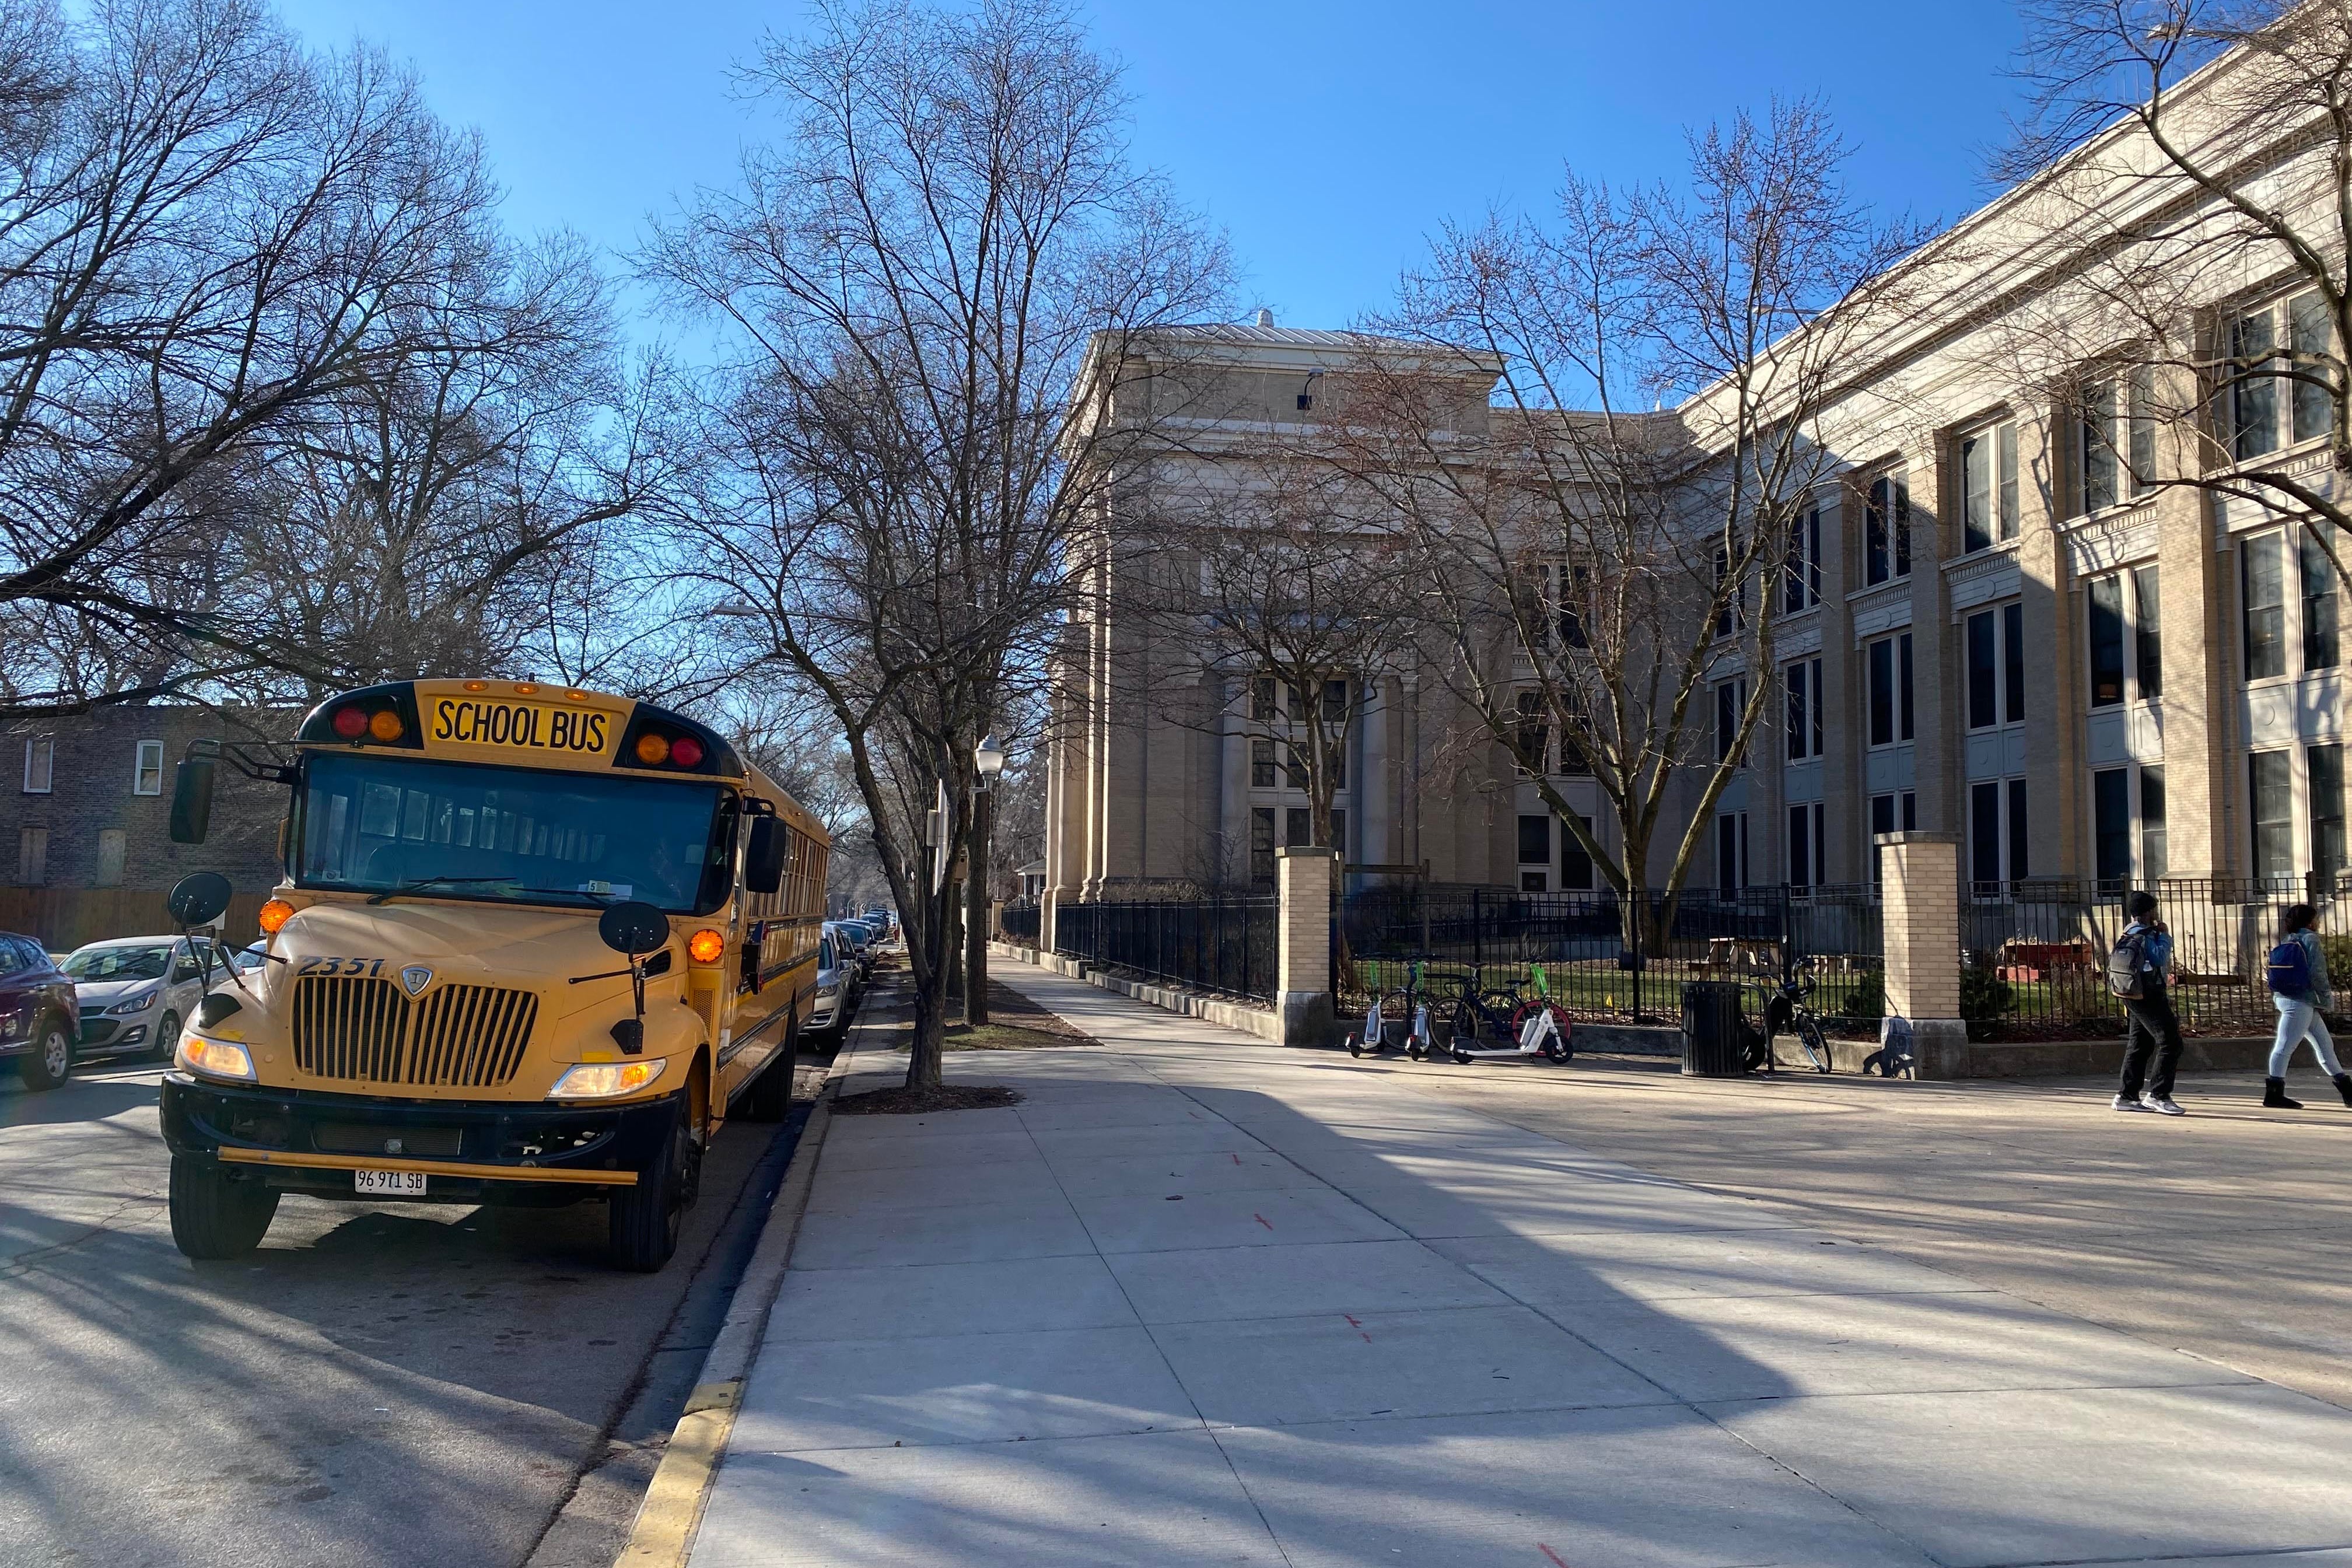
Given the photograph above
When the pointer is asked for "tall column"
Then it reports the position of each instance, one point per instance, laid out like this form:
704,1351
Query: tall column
1920,904
1303,881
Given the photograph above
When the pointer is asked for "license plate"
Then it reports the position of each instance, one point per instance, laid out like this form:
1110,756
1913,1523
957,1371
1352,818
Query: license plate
389,1184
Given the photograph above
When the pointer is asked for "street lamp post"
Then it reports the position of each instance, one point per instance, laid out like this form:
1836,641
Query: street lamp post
988,761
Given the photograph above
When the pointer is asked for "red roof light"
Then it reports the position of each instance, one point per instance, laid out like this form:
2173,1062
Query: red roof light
686,750
350,723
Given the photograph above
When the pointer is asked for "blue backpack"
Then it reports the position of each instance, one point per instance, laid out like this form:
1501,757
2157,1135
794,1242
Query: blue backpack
2289,971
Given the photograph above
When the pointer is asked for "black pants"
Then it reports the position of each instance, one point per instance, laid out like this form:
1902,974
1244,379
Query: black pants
2154,1032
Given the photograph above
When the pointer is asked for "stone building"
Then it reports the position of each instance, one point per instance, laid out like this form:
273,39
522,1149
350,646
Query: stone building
1990,628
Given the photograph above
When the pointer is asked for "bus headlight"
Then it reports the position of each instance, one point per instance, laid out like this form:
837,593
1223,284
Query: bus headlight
605,1080
214,1058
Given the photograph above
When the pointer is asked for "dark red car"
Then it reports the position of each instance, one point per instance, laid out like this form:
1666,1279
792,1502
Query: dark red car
38,1016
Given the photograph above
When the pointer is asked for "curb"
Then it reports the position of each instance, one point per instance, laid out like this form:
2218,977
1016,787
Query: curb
671,1515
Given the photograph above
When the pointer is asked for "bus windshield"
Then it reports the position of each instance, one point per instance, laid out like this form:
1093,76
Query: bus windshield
459,830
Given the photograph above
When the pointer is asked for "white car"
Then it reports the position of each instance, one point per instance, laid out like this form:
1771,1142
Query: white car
136,991
835,991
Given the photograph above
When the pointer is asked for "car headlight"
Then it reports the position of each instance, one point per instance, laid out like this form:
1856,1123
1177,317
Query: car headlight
832,990
136,1005
214,1058
605,1080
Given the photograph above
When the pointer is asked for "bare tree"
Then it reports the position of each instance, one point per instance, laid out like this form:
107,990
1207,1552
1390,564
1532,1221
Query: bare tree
250,298
1264,575
930,288
1599,572
2195,155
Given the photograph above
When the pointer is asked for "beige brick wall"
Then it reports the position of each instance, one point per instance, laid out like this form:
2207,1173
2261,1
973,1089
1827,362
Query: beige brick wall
1921,909
1303,878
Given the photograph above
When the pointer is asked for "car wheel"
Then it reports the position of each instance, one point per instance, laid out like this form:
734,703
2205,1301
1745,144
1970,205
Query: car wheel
167,1037
51,1057
215,1216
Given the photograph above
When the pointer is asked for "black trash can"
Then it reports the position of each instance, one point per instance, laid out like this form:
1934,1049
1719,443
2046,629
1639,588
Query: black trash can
1711,1045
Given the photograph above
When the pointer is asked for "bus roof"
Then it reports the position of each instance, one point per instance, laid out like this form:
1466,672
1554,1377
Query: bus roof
529,723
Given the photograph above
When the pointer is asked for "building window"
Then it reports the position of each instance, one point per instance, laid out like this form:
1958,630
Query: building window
2107,641
2257,403
2125,648
1996,667
1730,705
1891,814
2264,592
1984,670
1339,833
2155,861
1262,765
1730,852
1298,828
1262,705
2321,649
1803,681
147,769
1294,770
1535,840
1575,860
40,763
2148,633
1531,740
1989,486
1532,882
32,857
1889,662
1997,834
2273,795
2110,832
1807,846
1801,578
1335,703
1886,530
1262,846
113,845
1731,616
2323,774
2314,345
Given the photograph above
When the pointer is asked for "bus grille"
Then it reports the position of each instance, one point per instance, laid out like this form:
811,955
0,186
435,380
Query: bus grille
348,1026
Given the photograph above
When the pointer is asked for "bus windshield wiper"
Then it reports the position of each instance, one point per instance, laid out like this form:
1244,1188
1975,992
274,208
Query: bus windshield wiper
420,883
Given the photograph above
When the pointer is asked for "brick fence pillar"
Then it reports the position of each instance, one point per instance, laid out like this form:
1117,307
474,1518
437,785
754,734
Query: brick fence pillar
1920,900
1303,880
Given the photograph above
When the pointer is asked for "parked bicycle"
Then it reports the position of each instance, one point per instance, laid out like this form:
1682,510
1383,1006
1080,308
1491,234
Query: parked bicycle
1788,1009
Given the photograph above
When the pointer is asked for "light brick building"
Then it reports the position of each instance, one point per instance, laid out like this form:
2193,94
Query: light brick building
2078,674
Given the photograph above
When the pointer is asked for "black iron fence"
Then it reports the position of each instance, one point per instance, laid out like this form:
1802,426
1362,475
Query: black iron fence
1018,922
1218,945
1606,956
2034,953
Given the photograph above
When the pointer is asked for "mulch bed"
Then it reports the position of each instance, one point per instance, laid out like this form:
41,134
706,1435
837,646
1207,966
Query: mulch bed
1006,1006
900,1100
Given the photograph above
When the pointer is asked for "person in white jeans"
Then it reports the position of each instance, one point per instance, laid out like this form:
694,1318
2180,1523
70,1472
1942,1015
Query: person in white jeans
2304,1017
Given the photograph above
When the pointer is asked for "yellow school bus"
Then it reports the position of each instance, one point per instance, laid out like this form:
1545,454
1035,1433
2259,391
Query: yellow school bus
532,946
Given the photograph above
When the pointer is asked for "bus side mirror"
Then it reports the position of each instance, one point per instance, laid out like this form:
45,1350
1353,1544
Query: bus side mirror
763,858
200,898
191,800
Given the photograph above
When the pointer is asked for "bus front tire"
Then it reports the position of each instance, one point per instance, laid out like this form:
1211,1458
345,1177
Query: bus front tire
645,1219
216,1216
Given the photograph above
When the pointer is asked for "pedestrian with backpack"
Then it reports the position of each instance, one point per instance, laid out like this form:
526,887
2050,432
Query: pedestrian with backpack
2297,973
2136,972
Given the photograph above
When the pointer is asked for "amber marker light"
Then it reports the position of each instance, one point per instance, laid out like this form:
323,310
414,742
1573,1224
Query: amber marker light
385,725
652,750
477,685
575,696
274,916
525,689
705,945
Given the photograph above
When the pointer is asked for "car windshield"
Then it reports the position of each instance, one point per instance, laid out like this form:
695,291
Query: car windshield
118,963
370,824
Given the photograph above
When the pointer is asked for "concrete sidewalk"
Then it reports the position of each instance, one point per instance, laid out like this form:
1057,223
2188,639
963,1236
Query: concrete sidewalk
1203,1300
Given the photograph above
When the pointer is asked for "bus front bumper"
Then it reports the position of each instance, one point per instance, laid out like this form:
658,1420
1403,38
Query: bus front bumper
470,1152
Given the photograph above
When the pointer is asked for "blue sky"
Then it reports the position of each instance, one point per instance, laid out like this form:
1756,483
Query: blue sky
1326,138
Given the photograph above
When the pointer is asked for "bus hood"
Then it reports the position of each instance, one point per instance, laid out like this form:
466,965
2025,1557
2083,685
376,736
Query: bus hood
477,944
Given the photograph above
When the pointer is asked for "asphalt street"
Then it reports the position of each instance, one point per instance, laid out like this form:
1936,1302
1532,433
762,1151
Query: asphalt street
380,1384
